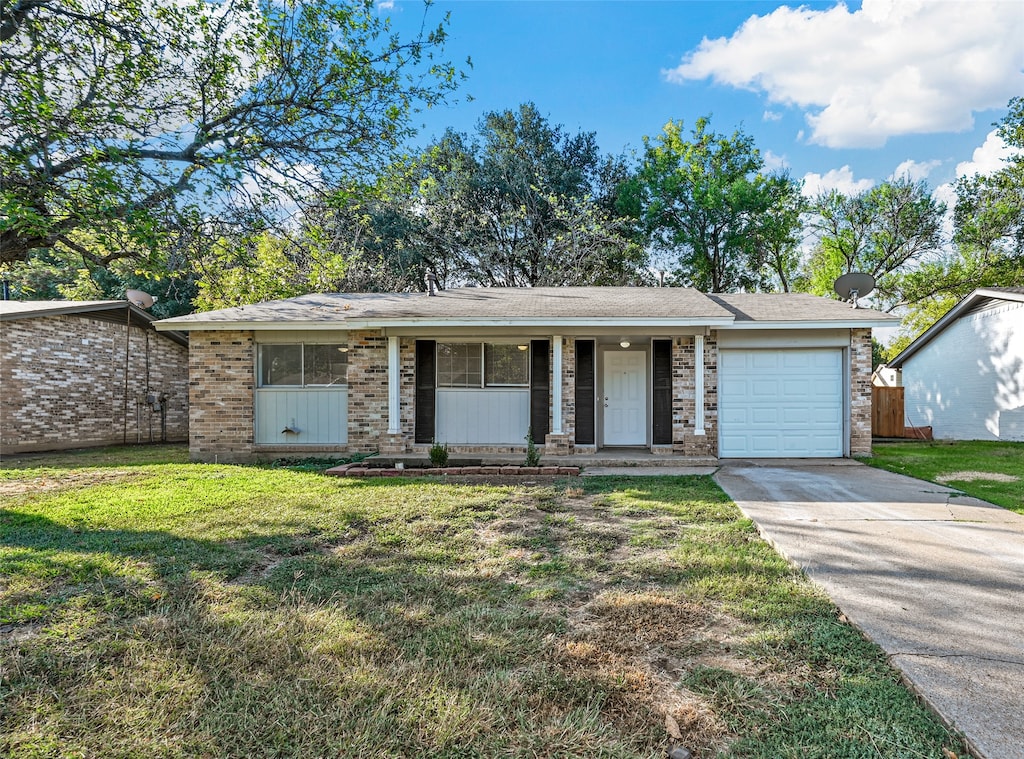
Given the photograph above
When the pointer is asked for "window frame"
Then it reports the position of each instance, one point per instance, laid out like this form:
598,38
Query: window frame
261,385
484,384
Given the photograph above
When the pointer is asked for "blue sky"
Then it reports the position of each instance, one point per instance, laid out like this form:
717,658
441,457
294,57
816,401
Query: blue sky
839,95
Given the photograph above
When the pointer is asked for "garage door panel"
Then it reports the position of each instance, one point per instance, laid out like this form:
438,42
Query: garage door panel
764,390
764,415
764,361
781,403
797,360
795,388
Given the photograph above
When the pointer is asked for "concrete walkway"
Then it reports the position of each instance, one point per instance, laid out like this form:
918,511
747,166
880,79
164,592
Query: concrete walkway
934,577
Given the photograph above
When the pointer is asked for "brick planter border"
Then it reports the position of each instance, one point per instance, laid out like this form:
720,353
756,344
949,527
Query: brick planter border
359,470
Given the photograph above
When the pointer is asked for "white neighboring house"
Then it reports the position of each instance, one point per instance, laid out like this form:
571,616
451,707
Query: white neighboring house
964,376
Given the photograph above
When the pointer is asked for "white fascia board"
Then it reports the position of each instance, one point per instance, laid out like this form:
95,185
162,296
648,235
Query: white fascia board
350,324
814,324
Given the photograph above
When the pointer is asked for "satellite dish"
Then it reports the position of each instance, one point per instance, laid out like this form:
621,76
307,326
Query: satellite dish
139,298
854,285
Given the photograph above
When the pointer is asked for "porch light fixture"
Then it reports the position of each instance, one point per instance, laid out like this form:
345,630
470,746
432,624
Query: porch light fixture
343,349
522,347
623,343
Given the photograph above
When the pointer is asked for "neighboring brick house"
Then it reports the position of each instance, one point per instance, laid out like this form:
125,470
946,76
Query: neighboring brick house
670,370
62,376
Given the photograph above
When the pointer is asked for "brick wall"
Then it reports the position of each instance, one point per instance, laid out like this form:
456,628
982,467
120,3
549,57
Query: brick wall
221,384
560,445
684,404
63,384
367,390
860,392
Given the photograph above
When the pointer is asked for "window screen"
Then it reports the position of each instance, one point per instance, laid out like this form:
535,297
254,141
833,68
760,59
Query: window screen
324,364
506,365
459,364
302,365
281,364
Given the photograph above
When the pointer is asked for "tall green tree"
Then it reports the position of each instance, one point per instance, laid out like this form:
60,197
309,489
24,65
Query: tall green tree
133,120
705,200
885,231
520,202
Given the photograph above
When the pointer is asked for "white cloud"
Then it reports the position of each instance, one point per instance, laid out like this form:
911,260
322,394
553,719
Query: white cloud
773,162
915,171
840,180
987,159
893,67
771,116
385,5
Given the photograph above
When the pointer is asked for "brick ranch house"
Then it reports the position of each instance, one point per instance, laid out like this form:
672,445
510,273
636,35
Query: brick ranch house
582,369
62,376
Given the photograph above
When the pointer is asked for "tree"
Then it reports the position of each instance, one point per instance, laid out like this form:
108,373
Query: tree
989,214
131,121
520,203
885,231
706,201
988,240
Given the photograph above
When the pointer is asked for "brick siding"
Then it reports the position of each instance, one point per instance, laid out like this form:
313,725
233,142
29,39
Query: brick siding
62,379
860,392
222,370
684,404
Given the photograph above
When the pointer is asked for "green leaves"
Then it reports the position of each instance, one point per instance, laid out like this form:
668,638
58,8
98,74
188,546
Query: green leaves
705,201
139,113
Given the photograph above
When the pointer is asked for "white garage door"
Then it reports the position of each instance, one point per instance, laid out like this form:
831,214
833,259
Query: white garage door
781,403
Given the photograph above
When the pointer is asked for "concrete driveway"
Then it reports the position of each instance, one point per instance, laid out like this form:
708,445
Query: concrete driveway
934,577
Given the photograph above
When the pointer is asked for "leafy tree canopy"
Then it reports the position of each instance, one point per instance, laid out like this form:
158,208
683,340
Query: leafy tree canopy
705,200
885,231
130,121
520,202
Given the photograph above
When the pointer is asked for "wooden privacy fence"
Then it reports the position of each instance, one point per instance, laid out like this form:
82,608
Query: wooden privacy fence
888,415
887,412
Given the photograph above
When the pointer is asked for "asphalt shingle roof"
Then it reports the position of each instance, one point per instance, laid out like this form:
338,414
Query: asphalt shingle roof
604,305
792,307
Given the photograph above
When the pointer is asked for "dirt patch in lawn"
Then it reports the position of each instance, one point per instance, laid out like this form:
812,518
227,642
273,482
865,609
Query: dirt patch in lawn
945,479
66,480
623,630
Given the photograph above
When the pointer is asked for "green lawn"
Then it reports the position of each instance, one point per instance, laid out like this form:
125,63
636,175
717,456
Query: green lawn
991,471
155,608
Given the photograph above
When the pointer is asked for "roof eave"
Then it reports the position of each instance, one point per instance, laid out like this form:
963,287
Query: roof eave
814,324
945,320
350,324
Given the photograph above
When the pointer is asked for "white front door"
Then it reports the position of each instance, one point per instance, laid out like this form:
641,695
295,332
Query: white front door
625,398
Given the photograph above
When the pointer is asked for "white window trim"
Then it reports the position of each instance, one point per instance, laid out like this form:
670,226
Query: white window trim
302,368
484,385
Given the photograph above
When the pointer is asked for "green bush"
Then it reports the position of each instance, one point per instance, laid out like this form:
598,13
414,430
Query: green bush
532,454
439,454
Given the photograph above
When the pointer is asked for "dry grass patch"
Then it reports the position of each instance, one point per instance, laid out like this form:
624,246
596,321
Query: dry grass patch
227,611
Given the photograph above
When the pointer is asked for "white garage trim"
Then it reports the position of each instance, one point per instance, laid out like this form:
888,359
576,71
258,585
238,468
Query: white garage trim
782,403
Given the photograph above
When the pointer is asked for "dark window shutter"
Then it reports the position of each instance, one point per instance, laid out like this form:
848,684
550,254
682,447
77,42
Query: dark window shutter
662,411
426,370
540,390
585,390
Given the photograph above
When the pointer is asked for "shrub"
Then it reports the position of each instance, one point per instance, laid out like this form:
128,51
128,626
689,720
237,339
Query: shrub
439,454
532,454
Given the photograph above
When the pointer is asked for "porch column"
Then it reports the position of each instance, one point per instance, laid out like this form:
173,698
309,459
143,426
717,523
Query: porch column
394,387
698,384
556,385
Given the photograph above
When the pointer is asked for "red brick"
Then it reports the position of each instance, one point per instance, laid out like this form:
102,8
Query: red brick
529,470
